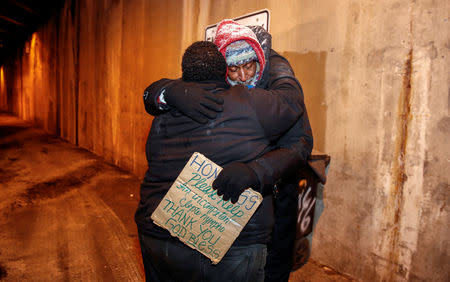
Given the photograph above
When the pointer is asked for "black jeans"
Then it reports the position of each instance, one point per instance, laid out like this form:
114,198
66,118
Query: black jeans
171,260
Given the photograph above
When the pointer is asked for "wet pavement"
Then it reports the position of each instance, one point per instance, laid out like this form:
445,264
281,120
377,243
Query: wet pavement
66,214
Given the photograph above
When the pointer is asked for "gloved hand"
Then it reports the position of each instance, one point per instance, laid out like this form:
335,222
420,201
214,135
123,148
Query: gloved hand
194,100
234,179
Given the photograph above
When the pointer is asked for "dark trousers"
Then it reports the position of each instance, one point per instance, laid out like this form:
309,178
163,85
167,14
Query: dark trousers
281,246
171,260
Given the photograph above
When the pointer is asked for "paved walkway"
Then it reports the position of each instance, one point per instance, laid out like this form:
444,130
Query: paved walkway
65,214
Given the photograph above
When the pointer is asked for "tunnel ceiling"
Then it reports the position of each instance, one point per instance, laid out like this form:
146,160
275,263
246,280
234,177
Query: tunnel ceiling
19,19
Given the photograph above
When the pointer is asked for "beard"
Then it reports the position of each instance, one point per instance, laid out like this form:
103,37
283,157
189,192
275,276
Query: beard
249,82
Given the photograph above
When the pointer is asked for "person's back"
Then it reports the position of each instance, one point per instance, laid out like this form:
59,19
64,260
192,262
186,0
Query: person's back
242,132
235,135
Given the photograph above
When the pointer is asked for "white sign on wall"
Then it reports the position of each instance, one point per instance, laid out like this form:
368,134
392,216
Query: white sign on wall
261,18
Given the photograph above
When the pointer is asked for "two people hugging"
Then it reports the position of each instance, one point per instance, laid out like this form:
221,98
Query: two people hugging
239,104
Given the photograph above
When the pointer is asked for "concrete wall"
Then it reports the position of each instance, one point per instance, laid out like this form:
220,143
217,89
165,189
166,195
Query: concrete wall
376,82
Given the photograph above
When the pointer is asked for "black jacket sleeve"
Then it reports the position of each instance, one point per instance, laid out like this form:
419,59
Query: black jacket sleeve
294,147
277,109
151,94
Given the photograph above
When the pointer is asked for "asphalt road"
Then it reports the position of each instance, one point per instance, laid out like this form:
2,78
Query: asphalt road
65,214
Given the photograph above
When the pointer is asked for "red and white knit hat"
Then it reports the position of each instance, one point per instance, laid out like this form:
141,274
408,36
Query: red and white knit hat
229,31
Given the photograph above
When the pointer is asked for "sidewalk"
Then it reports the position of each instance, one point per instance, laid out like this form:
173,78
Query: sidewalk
65,214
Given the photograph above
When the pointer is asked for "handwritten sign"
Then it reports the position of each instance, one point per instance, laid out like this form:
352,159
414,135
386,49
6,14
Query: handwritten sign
192,211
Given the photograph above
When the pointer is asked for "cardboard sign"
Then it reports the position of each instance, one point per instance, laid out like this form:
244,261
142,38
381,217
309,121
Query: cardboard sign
192,211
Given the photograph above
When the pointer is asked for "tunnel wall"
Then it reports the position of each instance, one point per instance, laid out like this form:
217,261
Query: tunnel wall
376,83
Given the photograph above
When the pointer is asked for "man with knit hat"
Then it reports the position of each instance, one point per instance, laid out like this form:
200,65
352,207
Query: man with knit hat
294,148
242,51
243,65
276,169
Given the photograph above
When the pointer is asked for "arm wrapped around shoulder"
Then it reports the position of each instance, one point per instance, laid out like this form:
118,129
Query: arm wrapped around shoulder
195,100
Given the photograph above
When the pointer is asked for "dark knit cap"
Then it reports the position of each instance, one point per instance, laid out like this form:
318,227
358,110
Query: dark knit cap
202,61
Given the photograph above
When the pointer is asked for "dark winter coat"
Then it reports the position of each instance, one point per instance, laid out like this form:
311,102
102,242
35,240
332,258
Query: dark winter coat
277,168
247,128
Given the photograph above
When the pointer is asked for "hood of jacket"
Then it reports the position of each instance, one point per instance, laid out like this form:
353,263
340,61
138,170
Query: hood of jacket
265,40
229,31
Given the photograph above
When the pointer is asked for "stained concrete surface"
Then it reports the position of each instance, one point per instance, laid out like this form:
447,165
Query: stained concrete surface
66,214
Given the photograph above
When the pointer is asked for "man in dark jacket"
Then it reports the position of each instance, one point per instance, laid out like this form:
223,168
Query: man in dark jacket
276,169
242,132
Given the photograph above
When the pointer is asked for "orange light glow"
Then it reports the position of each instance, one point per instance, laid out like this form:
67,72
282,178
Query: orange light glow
33,40
3,101
2,80
2,77
32,72
32,47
